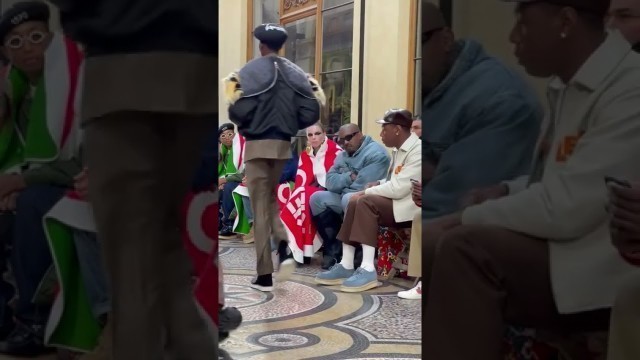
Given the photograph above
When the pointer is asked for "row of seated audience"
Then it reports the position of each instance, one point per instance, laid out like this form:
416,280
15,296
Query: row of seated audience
483,240
536,251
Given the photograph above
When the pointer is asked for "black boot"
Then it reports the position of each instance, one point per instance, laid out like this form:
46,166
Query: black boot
328,225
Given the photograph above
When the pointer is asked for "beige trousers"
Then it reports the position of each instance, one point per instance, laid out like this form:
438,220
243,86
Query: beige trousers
624,333
415,247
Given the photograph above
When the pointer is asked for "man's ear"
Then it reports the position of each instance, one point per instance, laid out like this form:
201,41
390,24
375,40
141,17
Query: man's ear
448,39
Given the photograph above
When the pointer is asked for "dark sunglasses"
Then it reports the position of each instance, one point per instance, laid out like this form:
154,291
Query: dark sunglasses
347,138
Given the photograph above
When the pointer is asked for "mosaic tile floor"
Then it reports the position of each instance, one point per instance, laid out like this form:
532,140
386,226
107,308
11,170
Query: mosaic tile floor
301,320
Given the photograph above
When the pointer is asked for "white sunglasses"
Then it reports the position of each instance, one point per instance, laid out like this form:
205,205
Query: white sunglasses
17,41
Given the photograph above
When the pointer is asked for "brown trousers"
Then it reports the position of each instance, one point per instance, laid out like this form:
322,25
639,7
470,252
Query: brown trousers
141,165
363,217
262,179
481,278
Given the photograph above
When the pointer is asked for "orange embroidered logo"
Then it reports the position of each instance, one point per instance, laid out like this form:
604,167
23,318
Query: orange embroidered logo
567,146
398,169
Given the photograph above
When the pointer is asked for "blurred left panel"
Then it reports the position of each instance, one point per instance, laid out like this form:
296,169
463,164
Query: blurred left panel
108,179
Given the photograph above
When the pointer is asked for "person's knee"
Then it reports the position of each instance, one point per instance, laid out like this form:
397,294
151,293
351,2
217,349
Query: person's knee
319,202
32,196
228,187
452,243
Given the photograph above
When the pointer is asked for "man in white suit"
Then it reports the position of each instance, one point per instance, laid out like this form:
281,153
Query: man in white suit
624,332
387,202
541,256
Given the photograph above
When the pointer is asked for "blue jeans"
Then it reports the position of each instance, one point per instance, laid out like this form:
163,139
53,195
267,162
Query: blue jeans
227,202
31,256
321,201
246,204
92,271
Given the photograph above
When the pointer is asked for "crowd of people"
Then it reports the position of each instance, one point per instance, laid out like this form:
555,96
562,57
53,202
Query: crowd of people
484,215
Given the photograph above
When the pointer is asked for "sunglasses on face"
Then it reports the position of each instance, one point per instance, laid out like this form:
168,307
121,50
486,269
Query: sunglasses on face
347,138
18,41
316,134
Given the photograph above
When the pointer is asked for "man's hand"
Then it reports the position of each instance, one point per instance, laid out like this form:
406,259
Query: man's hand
81,183
354,176
221,182
372,184
624,207
11,183
8,203
244,180
416,193
480,195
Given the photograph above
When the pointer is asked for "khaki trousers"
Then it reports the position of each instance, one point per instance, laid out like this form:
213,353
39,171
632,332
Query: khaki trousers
415,246
363,217
140,166
482,279
624,333
262,179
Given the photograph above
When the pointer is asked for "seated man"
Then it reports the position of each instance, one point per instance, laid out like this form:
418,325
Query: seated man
415,246
483,118
384,203
491,139
37,156
362,162
416,126
625,314
625,233
541,256
229,165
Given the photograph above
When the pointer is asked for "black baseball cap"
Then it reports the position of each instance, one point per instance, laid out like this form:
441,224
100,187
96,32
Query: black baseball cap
400,117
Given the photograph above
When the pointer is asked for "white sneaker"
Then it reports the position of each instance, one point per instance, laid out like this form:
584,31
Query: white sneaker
412,294
285,270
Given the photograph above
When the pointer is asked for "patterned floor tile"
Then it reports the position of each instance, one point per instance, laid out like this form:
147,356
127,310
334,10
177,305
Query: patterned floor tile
301,320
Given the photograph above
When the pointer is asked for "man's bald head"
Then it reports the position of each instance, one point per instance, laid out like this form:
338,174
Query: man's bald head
350,138
349,128
438,47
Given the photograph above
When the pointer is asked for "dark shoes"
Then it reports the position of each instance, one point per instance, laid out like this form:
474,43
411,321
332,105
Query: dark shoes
25,340
227,233
230,319
263,283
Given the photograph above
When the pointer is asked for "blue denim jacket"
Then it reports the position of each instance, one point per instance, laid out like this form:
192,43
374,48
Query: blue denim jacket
480,126
370,162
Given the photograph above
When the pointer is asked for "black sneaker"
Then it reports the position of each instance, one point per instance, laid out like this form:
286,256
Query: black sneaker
263,283
226,233
25,341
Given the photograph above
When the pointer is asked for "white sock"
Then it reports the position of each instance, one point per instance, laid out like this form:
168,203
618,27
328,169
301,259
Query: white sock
368,256
348,253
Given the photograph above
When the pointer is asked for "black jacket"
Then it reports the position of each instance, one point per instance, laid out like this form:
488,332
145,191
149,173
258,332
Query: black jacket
276,114
107,27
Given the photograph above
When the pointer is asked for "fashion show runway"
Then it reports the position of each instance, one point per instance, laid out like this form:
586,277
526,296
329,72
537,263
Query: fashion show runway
300,320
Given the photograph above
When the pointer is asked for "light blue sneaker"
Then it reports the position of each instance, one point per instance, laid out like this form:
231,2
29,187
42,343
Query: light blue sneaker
361,280
335,276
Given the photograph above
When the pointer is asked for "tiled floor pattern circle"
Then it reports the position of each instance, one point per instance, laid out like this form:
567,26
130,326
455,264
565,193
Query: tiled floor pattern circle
300,320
